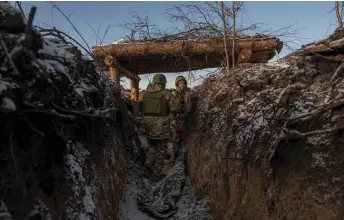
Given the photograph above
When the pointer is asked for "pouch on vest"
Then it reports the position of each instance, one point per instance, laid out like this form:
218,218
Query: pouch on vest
154,103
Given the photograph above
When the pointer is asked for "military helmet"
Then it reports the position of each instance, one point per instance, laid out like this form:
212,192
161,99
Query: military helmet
181,78
159,79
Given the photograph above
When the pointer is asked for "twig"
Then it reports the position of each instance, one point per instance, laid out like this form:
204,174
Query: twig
32,127
338,71
107,111
232,158
9,56
100,24
48,112
79,113
21,9
72,25
339,17
58,33
298,134
106,31
97,34
331,104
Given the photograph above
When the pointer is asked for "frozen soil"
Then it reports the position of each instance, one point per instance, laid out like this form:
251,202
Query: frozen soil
60,155
272,139
189,207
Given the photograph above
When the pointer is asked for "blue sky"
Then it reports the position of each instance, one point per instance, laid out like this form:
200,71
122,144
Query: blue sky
313,21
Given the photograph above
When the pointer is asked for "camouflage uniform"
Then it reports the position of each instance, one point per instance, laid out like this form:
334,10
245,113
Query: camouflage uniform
157,128
181,97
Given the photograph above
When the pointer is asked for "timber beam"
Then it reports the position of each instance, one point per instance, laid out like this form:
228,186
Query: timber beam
112,61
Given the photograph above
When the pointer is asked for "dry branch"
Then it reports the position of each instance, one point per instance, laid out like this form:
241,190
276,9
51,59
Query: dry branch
66,113
59,34
84,114
296,134
48,112
63,14
8,56
18,3
339,16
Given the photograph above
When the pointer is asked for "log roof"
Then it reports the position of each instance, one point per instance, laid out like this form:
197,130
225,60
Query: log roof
152,56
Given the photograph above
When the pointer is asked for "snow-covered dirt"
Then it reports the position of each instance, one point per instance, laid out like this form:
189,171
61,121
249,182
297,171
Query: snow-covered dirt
189,207
273,147
60,147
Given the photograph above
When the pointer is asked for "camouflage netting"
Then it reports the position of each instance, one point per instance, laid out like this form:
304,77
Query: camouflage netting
60,153
271,139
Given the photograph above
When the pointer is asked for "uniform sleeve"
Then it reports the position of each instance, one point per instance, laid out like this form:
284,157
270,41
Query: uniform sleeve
174,105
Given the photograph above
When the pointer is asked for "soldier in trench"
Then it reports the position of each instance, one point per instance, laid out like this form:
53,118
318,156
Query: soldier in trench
180,96
159,111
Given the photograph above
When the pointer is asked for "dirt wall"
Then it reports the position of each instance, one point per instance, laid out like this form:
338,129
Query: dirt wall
262,144
62,146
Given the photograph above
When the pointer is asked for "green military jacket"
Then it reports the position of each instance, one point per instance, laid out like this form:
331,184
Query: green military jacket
158,127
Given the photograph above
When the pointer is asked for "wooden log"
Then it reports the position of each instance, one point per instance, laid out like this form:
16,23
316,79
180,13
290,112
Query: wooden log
111,61
186,48
114,74
134,92
313,49
244,55
337,44
111,72
171,63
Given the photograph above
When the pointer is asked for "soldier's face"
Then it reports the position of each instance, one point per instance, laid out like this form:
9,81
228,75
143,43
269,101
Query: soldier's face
181,84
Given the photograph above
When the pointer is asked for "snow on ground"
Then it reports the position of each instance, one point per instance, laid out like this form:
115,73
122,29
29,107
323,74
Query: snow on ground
189,207
4,214
83,206
8,104
128,209
57,49
40,209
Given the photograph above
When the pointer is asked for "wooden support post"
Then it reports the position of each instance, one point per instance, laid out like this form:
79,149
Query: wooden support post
114,73
134,95
114,70
110,60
